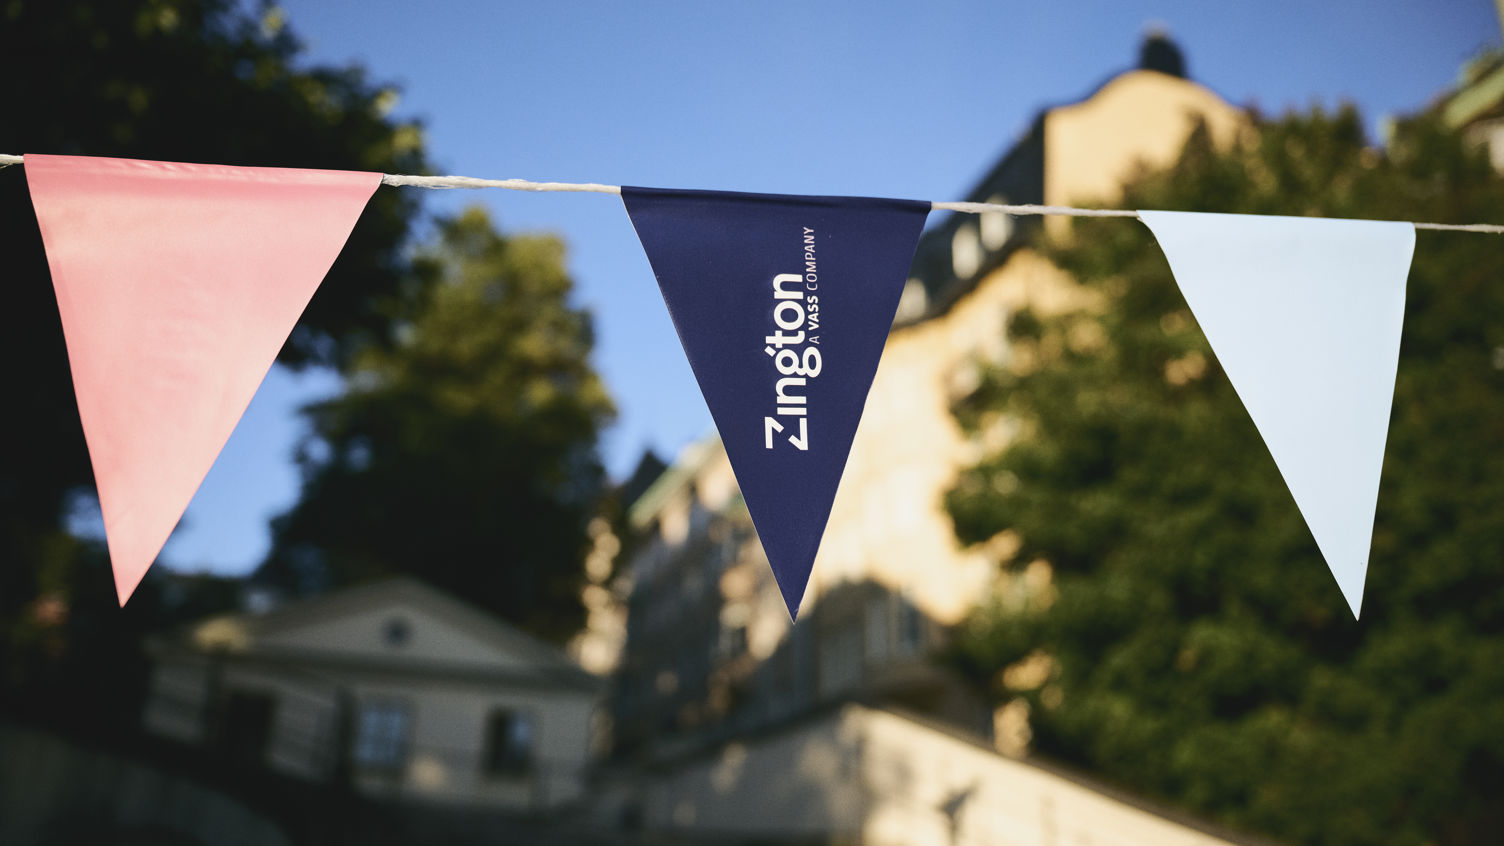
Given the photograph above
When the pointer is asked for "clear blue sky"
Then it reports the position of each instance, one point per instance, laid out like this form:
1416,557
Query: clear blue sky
814,98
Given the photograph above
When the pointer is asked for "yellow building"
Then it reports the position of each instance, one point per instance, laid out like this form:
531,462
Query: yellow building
711,666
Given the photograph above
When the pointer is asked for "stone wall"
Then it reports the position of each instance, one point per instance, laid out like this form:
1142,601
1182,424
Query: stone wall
55,792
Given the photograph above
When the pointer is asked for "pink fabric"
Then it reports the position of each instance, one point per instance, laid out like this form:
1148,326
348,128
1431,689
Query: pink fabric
177,285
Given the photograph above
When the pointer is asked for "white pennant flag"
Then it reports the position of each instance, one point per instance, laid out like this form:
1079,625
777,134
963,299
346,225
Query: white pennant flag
1304,315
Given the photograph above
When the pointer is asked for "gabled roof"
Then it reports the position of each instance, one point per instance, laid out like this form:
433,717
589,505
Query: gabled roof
262,637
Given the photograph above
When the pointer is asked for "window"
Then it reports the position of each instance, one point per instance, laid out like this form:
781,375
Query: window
877,629
996,226
731,643
726,549
509,743
965,252
247,727
381,734
396,632
840,658
910,626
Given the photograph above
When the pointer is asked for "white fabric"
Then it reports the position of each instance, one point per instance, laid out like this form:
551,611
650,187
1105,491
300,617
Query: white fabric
1304,315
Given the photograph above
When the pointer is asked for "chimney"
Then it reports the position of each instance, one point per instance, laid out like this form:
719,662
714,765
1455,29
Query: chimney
1159,53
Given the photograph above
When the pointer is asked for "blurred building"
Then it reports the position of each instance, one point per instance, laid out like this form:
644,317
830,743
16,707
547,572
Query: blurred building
864,775
392,689
844,726
1476,106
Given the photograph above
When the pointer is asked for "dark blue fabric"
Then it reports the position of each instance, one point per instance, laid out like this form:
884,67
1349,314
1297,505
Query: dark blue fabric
716,256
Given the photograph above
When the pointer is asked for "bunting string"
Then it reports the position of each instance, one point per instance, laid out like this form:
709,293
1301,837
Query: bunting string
449,182
509,184
784,344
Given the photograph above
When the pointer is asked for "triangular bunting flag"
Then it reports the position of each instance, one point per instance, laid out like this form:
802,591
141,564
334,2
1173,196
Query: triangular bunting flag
177,285
1304,315
783,305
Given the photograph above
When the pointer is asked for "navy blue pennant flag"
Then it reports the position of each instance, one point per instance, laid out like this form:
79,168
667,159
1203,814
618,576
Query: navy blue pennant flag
783,305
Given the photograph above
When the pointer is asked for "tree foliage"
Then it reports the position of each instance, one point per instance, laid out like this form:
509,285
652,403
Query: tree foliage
1196,647
176,80
466,454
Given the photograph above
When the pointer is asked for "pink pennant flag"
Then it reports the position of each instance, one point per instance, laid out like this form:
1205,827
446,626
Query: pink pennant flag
177,285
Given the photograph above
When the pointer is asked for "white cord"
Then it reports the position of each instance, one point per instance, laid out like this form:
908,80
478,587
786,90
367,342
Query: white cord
512,184
965,208
990,208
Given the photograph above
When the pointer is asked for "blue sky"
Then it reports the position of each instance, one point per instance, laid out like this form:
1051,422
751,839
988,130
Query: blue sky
812,98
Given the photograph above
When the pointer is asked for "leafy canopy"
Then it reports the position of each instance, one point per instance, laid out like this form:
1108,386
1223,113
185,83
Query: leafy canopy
1195,645
176,80
465,454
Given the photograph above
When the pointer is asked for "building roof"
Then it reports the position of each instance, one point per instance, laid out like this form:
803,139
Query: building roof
1018,176
672,480
1481,94
308,635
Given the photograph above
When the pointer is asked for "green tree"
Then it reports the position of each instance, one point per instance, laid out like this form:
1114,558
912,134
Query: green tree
466,454
184,80
1194,645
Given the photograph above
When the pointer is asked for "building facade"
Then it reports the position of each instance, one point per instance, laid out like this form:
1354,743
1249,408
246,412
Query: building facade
393,689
